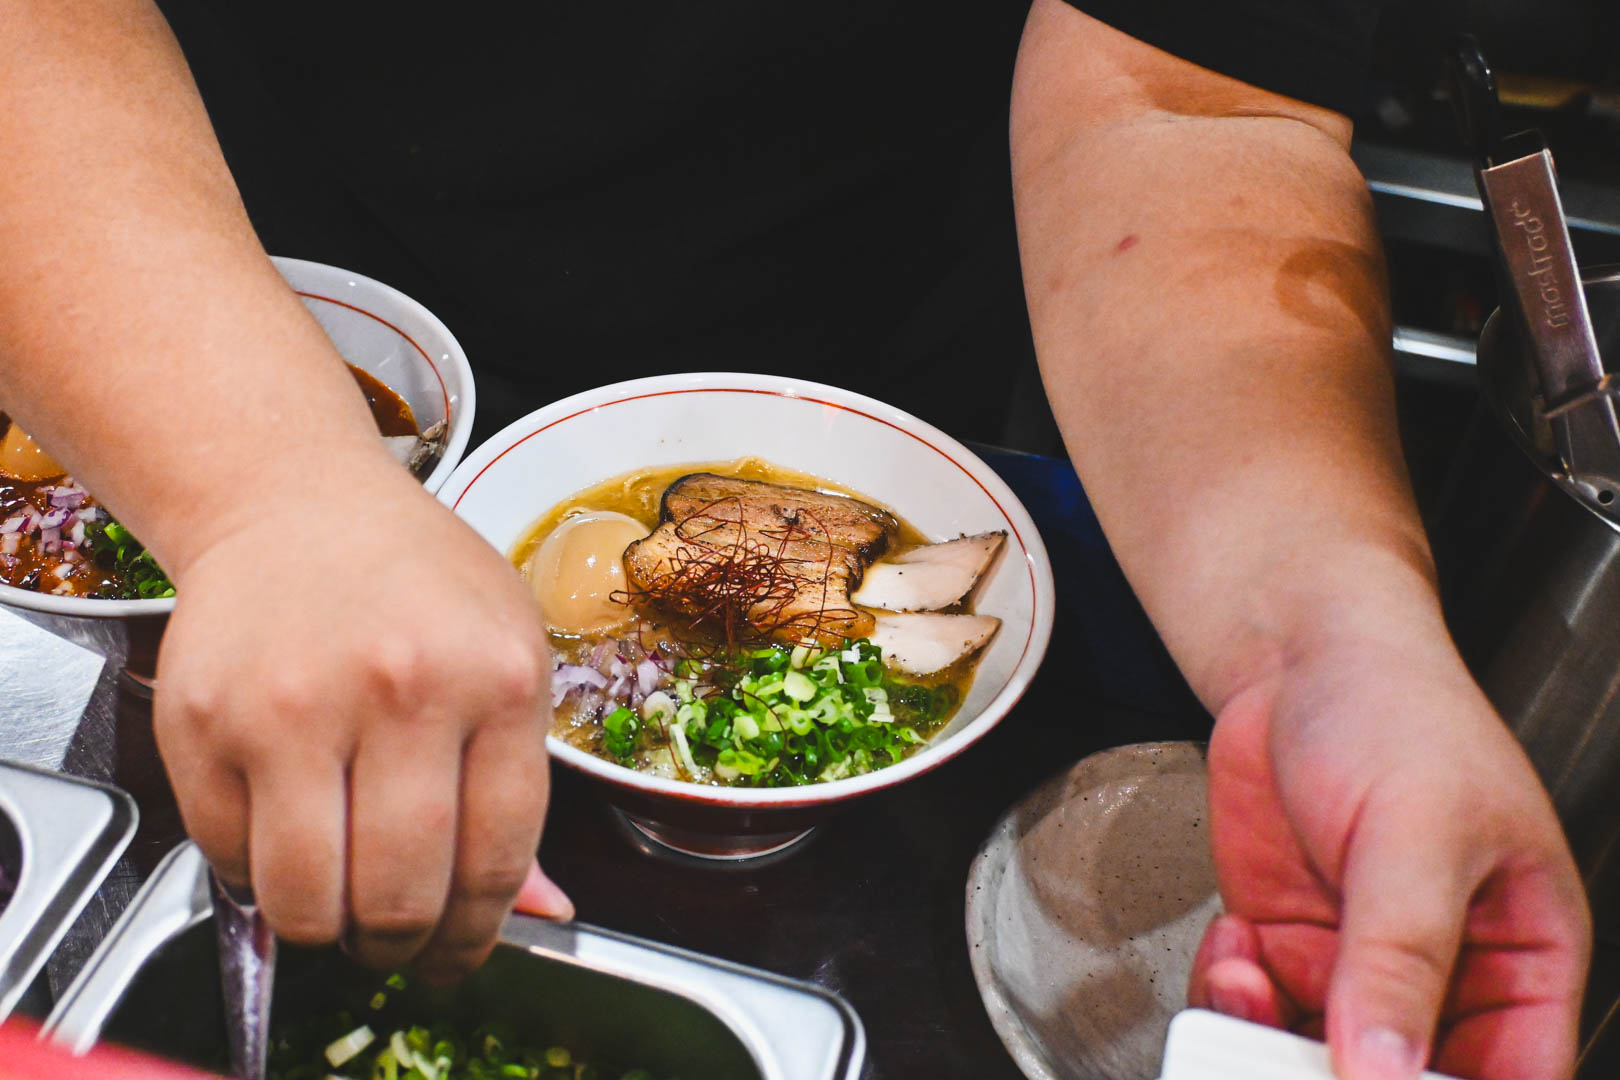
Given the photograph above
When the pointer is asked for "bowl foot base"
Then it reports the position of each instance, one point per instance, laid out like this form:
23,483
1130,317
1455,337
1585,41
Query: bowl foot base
655,838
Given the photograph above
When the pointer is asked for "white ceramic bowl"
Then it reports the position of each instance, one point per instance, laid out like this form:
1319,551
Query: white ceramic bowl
917,470
376,328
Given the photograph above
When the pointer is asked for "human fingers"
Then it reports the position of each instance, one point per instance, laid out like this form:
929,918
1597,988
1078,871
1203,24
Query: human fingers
209,789
541,896
296,846
1229,977
503,803
213,803
1405,896
212,796
1227,937
1515,1001
403,791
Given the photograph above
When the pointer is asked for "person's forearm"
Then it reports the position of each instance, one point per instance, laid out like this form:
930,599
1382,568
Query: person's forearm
1208,301
145,339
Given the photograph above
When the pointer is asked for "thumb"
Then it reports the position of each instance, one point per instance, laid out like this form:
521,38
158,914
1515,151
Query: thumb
541,896
1404,903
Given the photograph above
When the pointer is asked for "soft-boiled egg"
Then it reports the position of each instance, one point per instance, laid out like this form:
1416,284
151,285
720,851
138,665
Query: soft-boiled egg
578,568
21,458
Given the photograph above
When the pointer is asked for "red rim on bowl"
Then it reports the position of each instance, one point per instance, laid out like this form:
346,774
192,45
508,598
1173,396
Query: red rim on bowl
1029,549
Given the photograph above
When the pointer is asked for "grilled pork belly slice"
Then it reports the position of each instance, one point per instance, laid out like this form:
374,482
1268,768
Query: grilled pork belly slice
930,577
744,554
923,643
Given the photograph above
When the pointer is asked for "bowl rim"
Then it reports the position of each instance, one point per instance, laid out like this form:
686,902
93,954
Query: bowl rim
455,358
1025,535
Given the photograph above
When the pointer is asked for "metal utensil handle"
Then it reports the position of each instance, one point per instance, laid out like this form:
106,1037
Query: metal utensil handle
247,971
1522,196
1474,99
1519,187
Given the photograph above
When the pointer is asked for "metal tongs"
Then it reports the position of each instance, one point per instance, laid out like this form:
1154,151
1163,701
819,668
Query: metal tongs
1519,187
247,970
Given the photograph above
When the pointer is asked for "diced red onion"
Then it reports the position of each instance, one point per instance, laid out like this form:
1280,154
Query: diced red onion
55,518
13,524
601,652
616,690
50,540
7,559
63,571
10,543
77,532
647,676
70,498
572,676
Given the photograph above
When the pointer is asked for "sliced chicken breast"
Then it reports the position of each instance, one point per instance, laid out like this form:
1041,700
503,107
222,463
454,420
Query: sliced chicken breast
930,577
923,643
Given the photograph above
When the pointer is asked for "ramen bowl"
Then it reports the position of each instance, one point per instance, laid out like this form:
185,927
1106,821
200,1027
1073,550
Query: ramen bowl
850,440
377,329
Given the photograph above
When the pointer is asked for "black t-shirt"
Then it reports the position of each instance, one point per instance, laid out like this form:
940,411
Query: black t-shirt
587,192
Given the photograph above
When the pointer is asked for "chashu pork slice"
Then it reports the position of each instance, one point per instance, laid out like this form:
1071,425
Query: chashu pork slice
926,642
780,559
930,577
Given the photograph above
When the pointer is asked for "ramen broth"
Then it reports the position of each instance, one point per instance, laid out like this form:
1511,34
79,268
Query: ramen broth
55,538
650,636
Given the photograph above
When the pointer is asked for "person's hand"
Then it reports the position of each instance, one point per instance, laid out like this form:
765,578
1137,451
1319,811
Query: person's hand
1393,872
352,707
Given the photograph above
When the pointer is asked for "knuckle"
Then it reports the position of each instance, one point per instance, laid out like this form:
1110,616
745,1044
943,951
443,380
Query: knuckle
517,674
394,668
1417,964
444,963
433,816
305,927
292,693
187,708
494,882
396,920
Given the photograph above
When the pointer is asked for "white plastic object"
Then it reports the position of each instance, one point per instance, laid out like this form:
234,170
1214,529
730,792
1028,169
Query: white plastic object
1206,1045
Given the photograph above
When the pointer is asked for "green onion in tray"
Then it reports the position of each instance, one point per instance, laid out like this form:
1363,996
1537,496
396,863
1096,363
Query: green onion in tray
337,1047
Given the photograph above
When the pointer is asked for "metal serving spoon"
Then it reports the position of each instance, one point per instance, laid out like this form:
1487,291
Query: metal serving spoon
247,969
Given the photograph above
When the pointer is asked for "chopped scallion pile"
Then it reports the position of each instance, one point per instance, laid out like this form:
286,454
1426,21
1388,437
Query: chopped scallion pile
779,716
337,1046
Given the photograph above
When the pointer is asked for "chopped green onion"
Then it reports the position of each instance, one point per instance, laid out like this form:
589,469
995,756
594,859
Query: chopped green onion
798,686
347,1046
620,728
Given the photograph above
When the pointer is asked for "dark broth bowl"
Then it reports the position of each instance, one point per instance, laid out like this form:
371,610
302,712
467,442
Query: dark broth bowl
376,328
921,473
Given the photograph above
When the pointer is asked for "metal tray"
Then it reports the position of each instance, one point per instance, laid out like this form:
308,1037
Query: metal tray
154,984
59,836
